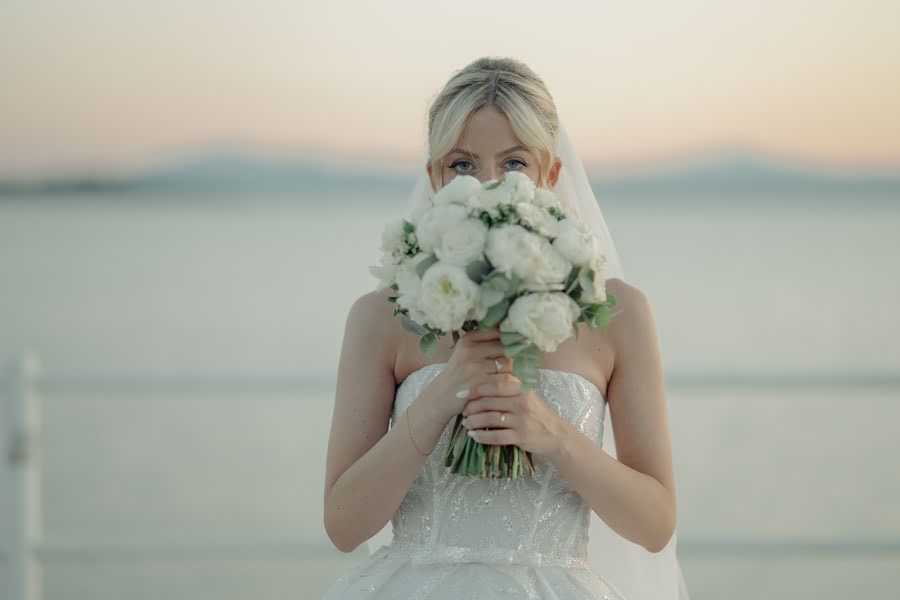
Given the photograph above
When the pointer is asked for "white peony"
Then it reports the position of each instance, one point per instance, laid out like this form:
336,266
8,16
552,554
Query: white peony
386,272
433,223
546,199
457,191
419,210
537,218
447,296
393,236
576,242
409,285
513,187
521,187
512,249
546,319
490,200
463,242
547,270
594,292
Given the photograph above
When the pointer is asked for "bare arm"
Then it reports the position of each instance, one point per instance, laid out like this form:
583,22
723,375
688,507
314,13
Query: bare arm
634,495
369,468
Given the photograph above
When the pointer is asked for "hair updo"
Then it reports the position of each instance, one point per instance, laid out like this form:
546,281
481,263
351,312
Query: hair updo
512,87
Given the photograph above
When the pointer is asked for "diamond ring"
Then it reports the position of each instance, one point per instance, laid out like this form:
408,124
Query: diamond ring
502,417
497,365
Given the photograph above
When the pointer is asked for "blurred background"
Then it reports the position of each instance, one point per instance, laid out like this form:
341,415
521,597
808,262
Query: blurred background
191,194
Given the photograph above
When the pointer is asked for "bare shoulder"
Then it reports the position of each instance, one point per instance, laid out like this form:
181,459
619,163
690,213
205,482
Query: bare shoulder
373,305
374,314
627,295
632,314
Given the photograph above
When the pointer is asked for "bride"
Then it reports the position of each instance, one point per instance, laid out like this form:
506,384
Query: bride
589,523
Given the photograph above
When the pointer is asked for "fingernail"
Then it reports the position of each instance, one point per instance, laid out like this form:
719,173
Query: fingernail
463,393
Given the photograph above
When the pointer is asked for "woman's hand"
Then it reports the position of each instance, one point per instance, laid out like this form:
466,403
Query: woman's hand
471,372
527,422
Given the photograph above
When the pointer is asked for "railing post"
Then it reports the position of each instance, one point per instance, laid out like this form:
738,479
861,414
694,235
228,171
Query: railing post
24,463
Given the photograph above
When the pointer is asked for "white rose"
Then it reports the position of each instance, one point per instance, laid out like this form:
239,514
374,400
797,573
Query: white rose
537,218
457,191
546,319
576,242
435,222
463,242
594,292
446,296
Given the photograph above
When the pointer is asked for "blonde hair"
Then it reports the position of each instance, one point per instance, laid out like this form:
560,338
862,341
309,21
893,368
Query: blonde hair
512,87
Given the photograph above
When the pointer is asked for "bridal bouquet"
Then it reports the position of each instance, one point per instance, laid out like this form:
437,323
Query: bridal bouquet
503,252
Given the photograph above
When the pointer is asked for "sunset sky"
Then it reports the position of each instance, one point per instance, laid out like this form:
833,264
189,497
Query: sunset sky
93,85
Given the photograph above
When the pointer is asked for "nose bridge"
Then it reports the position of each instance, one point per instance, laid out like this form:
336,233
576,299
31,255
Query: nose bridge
488,172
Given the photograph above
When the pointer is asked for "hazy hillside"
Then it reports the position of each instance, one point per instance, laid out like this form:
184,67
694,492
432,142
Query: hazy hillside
240,172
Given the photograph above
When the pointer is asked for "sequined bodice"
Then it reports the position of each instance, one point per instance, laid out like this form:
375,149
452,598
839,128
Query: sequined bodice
537,520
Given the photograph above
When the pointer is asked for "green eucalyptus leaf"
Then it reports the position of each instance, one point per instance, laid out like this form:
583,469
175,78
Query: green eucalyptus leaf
412,326
424,264
514,349
477,270
511,337
494,315
572,280
428,344
586,277
603,317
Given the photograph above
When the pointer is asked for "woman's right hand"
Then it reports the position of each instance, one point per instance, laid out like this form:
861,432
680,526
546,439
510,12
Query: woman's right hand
471,372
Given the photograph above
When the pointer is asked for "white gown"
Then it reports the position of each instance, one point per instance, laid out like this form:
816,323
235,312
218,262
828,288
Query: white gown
458,537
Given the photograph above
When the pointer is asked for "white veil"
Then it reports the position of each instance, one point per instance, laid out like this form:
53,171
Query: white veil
635,572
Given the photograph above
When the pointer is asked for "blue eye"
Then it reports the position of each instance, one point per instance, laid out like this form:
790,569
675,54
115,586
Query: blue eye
453,166
466,162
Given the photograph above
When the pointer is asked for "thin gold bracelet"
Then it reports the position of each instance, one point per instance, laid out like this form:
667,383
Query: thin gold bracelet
409,427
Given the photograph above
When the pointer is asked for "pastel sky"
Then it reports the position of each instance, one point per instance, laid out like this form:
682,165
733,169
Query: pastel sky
93,85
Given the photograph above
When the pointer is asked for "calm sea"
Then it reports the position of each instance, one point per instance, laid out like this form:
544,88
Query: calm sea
778,327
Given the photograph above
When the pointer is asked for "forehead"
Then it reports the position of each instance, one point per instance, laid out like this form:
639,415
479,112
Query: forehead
488,133
488,126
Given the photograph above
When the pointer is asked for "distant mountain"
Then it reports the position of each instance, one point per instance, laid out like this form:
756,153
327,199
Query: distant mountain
239,172
737,172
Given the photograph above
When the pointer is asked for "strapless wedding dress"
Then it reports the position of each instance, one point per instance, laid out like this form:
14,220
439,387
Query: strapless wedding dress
458,537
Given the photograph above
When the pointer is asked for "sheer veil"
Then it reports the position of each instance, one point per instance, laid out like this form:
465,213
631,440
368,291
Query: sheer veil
637,573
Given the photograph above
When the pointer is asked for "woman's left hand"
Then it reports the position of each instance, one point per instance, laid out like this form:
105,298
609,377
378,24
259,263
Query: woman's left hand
527,422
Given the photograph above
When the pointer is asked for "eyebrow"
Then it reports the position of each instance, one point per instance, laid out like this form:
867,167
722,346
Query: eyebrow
507,151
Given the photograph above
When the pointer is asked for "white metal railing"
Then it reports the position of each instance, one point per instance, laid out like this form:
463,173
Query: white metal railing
26,547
